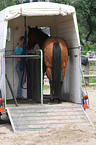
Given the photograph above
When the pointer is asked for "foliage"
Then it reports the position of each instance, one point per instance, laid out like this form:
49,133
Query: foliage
89,46
46,86
62,1
6,3
86,14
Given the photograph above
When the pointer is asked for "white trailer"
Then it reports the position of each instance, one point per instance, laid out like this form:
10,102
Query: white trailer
61,19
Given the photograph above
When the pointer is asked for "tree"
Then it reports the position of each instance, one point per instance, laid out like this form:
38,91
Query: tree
86,14
6,3
62,1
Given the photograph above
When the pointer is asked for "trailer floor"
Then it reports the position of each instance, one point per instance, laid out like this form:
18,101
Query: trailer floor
37,117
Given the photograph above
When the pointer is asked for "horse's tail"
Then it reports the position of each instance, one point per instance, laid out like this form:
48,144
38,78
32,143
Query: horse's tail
56,69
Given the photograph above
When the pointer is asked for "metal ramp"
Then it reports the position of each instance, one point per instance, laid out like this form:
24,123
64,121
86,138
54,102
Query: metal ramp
43,117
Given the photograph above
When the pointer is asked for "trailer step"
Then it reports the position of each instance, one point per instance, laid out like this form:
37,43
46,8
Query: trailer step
43,117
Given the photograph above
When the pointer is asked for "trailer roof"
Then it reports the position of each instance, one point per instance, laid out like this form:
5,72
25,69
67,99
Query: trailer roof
37,9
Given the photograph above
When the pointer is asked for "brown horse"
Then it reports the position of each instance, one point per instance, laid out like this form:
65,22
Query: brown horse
55,57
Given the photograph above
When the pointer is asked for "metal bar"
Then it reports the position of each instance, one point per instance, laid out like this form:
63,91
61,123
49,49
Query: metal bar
16,56
84,85
12,93
90,84
75,115
91,60
11,119
4,79
41,77
49,121
88,117
55,111
87,76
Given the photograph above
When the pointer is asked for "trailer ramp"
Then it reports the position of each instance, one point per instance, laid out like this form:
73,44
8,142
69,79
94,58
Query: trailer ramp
43,117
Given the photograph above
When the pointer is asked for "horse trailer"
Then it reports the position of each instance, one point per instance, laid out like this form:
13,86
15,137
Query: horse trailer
61,20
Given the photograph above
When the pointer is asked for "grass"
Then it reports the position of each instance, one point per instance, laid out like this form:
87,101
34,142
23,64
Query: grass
46,86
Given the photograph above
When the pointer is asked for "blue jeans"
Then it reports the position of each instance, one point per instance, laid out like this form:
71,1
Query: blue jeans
20,73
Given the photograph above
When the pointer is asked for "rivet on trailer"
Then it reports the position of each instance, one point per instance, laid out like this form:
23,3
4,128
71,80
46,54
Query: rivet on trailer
62,22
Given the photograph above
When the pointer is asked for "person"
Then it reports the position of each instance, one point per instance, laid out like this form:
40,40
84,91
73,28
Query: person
19,51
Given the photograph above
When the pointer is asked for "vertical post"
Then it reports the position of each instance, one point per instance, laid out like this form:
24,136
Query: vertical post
86,69
4,85
86,72
41,77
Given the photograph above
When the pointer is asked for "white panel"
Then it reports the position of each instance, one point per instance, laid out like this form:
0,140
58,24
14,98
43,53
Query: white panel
3,34
72,43
75,76
66,29
17,30
63,18
2,73
40,21
2,15
76,28
66,24
1,64
9,72
69,36
1,41
71,84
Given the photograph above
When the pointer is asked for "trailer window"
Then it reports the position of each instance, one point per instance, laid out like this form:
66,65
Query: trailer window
46,30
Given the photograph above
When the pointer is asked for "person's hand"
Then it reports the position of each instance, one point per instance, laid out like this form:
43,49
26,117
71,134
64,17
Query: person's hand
18,59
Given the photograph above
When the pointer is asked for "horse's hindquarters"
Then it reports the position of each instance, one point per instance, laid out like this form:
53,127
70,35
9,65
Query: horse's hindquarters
55,58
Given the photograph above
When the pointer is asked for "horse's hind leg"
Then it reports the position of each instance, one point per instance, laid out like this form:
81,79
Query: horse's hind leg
51,92
49,75
59,98
55,98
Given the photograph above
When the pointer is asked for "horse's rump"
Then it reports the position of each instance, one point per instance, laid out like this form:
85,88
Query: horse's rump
48,55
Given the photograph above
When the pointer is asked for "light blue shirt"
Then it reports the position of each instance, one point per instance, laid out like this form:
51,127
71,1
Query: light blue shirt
18,50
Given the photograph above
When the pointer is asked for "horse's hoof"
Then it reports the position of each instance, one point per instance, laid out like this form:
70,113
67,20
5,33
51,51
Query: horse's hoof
59,100
52,100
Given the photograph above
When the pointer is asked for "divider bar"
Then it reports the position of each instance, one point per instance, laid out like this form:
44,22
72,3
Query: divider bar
16,56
